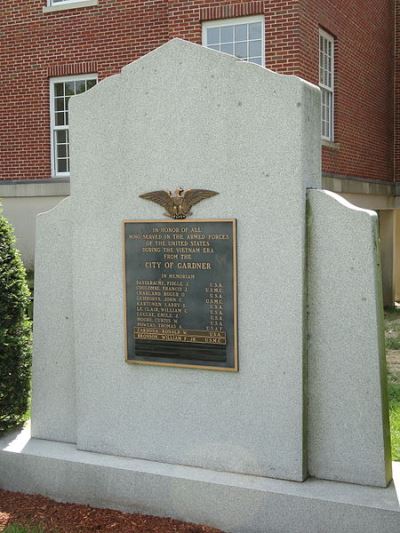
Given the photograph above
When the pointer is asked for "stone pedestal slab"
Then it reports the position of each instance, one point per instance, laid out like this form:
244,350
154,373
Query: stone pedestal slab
236,503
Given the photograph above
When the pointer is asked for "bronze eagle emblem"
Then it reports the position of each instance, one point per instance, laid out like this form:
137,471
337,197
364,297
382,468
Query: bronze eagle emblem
179,203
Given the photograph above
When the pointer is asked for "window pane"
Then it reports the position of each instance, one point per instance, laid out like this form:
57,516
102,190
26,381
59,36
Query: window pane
61,136
326,62
62,150
326,75
59,119
226,34
255,30
66,118
90,84
242,40
326,111
63,90
241,32
212,35
227,48
70,88
254,48
59,104
62,165
241,50
59,89
80,87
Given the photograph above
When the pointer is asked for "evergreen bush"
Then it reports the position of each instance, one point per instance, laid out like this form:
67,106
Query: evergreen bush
15,332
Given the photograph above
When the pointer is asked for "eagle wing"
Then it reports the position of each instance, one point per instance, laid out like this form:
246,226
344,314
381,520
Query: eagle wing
160,197
194,196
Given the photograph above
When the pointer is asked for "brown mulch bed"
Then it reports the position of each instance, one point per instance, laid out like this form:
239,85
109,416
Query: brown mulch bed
54,517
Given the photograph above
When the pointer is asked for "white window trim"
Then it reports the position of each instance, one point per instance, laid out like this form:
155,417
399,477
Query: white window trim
53,81
331,39
68,4
234,21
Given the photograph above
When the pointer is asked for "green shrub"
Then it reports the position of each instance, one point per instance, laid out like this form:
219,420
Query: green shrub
16,528
15,332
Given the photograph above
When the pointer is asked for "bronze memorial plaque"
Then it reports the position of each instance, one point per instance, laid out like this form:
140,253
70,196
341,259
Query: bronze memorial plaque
180,293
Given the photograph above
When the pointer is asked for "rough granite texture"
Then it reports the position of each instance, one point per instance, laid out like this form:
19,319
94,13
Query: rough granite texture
348,414
187,116
53,363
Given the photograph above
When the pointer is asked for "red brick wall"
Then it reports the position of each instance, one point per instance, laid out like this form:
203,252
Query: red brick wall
397,92
363,31
35,46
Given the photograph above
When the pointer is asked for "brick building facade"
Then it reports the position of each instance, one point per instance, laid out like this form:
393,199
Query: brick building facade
45,42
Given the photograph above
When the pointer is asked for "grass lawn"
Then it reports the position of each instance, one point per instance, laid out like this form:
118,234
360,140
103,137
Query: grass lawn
394,410
392,342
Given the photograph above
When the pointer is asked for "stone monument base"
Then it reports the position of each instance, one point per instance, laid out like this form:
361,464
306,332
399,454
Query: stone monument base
233,502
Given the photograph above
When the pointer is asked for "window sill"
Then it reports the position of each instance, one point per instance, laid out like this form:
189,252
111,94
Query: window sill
71,5
330,144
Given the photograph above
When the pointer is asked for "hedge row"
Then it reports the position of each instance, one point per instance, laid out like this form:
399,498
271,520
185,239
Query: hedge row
15,332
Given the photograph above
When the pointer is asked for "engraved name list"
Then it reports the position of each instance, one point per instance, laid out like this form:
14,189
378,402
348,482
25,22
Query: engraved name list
180,294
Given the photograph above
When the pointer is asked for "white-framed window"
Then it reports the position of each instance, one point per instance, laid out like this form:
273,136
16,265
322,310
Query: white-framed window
242,37
62,5
58,2
326,83
61,90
